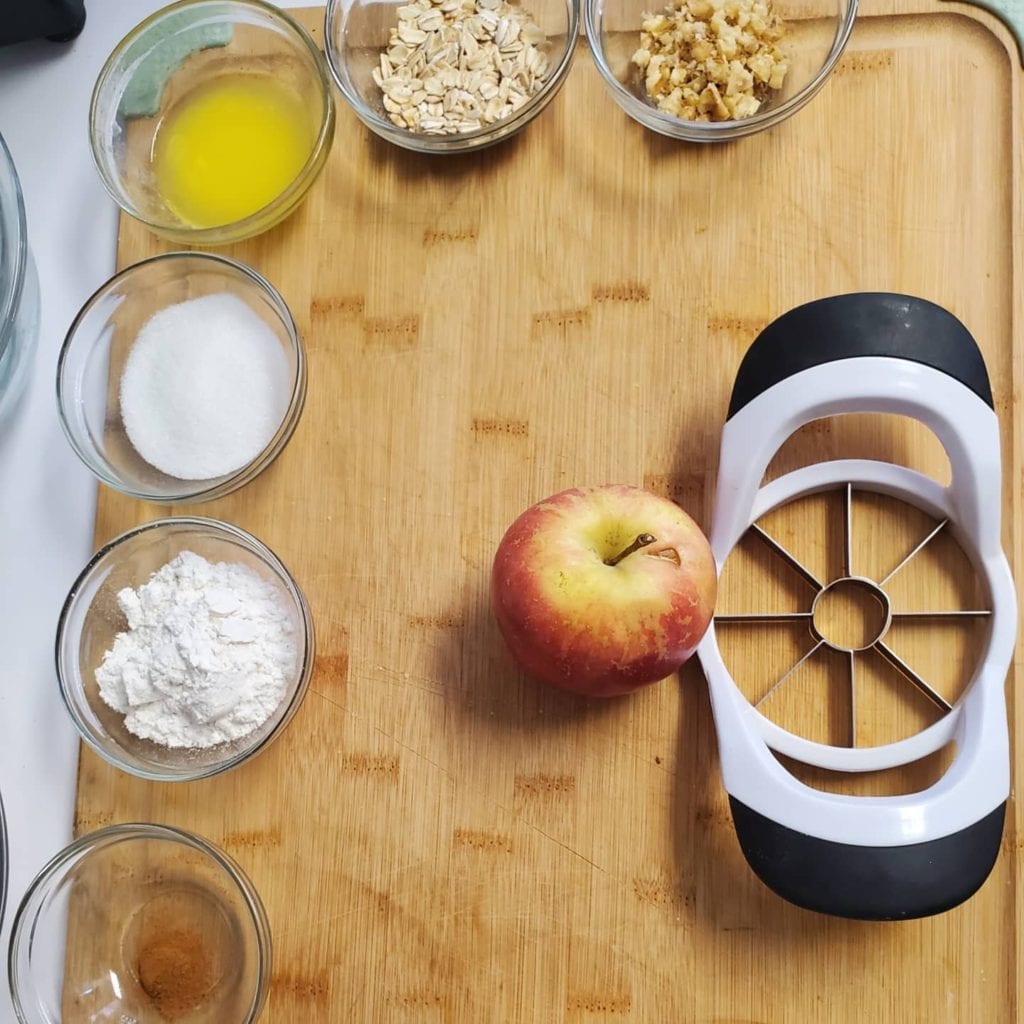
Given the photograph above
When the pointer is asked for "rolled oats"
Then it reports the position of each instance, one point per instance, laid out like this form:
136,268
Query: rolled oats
454,66
712,60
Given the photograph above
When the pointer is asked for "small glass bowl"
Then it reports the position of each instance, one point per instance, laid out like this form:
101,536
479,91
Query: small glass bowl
96,349
91,619
817,33
167,56
356,31
143,923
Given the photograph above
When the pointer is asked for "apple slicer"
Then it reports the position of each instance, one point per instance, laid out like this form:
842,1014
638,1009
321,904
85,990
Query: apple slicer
868,857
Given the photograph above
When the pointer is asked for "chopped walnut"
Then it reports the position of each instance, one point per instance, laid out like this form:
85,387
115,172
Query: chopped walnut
712,60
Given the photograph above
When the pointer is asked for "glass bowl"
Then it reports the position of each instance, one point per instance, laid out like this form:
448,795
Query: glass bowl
356,31
19,289
92,618
817,33
171,71
96,351
4,855
140,923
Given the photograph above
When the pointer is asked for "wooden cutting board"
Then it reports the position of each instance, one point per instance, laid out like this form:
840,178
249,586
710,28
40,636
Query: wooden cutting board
437,838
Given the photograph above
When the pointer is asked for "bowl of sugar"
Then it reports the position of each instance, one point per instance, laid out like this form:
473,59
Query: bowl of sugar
182,378
183,649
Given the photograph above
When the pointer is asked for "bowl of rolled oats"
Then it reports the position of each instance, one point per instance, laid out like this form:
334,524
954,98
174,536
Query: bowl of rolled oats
448,76
713,70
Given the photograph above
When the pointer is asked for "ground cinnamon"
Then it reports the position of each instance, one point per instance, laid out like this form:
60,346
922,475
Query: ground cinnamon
175,972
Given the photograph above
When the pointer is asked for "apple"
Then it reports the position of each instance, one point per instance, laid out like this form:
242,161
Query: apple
601,590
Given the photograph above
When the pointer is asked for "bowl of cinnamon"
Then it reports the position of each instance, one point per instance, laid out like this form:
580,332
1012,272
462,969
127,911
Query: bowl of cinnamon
141,923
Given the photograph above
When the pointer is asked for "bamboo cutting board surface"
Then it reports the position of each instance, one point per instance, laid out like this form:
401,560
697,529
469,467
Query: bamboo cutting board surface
437,838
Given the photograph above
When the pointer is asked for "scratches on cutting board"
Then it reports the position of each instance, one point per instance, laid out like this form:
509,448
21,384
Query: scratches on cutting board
386,735
565,846
465,837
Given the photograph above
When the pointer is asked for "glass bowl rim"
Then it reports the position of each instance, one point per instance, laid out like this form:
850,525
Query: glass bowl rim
13,240
4,861
242,475
464,141
713,131
128,831
251,225
304,670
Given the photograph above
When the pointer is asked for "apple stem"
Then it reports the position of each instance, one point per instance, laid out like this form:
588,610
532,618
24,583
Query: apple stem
641,542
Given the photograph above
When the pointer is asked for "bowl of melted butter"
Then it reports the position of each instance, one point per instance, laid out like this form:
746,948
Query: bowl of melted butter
211,119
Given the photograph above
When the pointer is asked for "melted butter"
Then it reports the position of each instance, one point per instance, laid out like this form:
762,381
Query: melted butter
229,147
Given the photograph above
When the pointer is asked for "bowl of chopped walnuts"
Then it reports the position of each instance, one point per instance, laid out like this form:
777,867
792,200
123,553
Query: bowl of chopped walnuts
713,70
448,76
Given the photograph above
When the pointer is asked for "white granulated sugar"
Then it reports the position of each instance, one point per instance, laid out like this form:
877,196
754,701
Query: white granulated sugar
207,655
204,388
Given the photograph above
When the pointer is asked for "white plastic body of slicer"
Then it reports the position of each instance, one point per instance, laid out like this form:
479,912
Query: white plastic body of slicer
978,779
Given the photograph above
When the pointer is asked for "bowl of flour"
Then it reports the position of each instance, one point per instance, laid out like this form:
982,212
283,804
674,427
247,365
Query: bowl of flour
183,649
182,378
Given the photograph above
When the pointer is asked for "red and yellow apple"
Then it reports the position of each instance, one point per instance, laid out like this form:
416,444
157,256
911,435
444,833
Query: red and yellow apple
601,590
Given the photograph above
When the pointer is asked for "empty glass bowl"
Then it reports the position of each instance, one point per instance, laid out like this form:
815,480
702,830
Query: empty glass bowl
95,353
92,618
816,35
356,33
19,289
197,83
140,923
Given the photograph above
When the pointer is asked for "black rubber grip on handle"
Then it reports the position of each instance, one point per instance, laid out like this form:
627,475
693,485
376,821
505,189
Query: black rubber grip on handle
869,883
860,324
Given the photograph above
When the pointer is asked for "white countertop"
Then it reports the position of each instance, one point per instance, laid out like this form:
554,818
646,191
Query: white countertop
47,499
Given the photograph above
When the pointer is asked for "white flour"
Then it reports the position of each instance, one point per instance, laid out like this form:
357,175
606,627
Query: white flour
207,655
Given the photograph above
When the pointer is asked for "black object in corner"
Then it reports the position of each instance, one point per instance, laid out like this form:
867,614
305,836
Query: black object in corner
860,324
869,883
57,20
